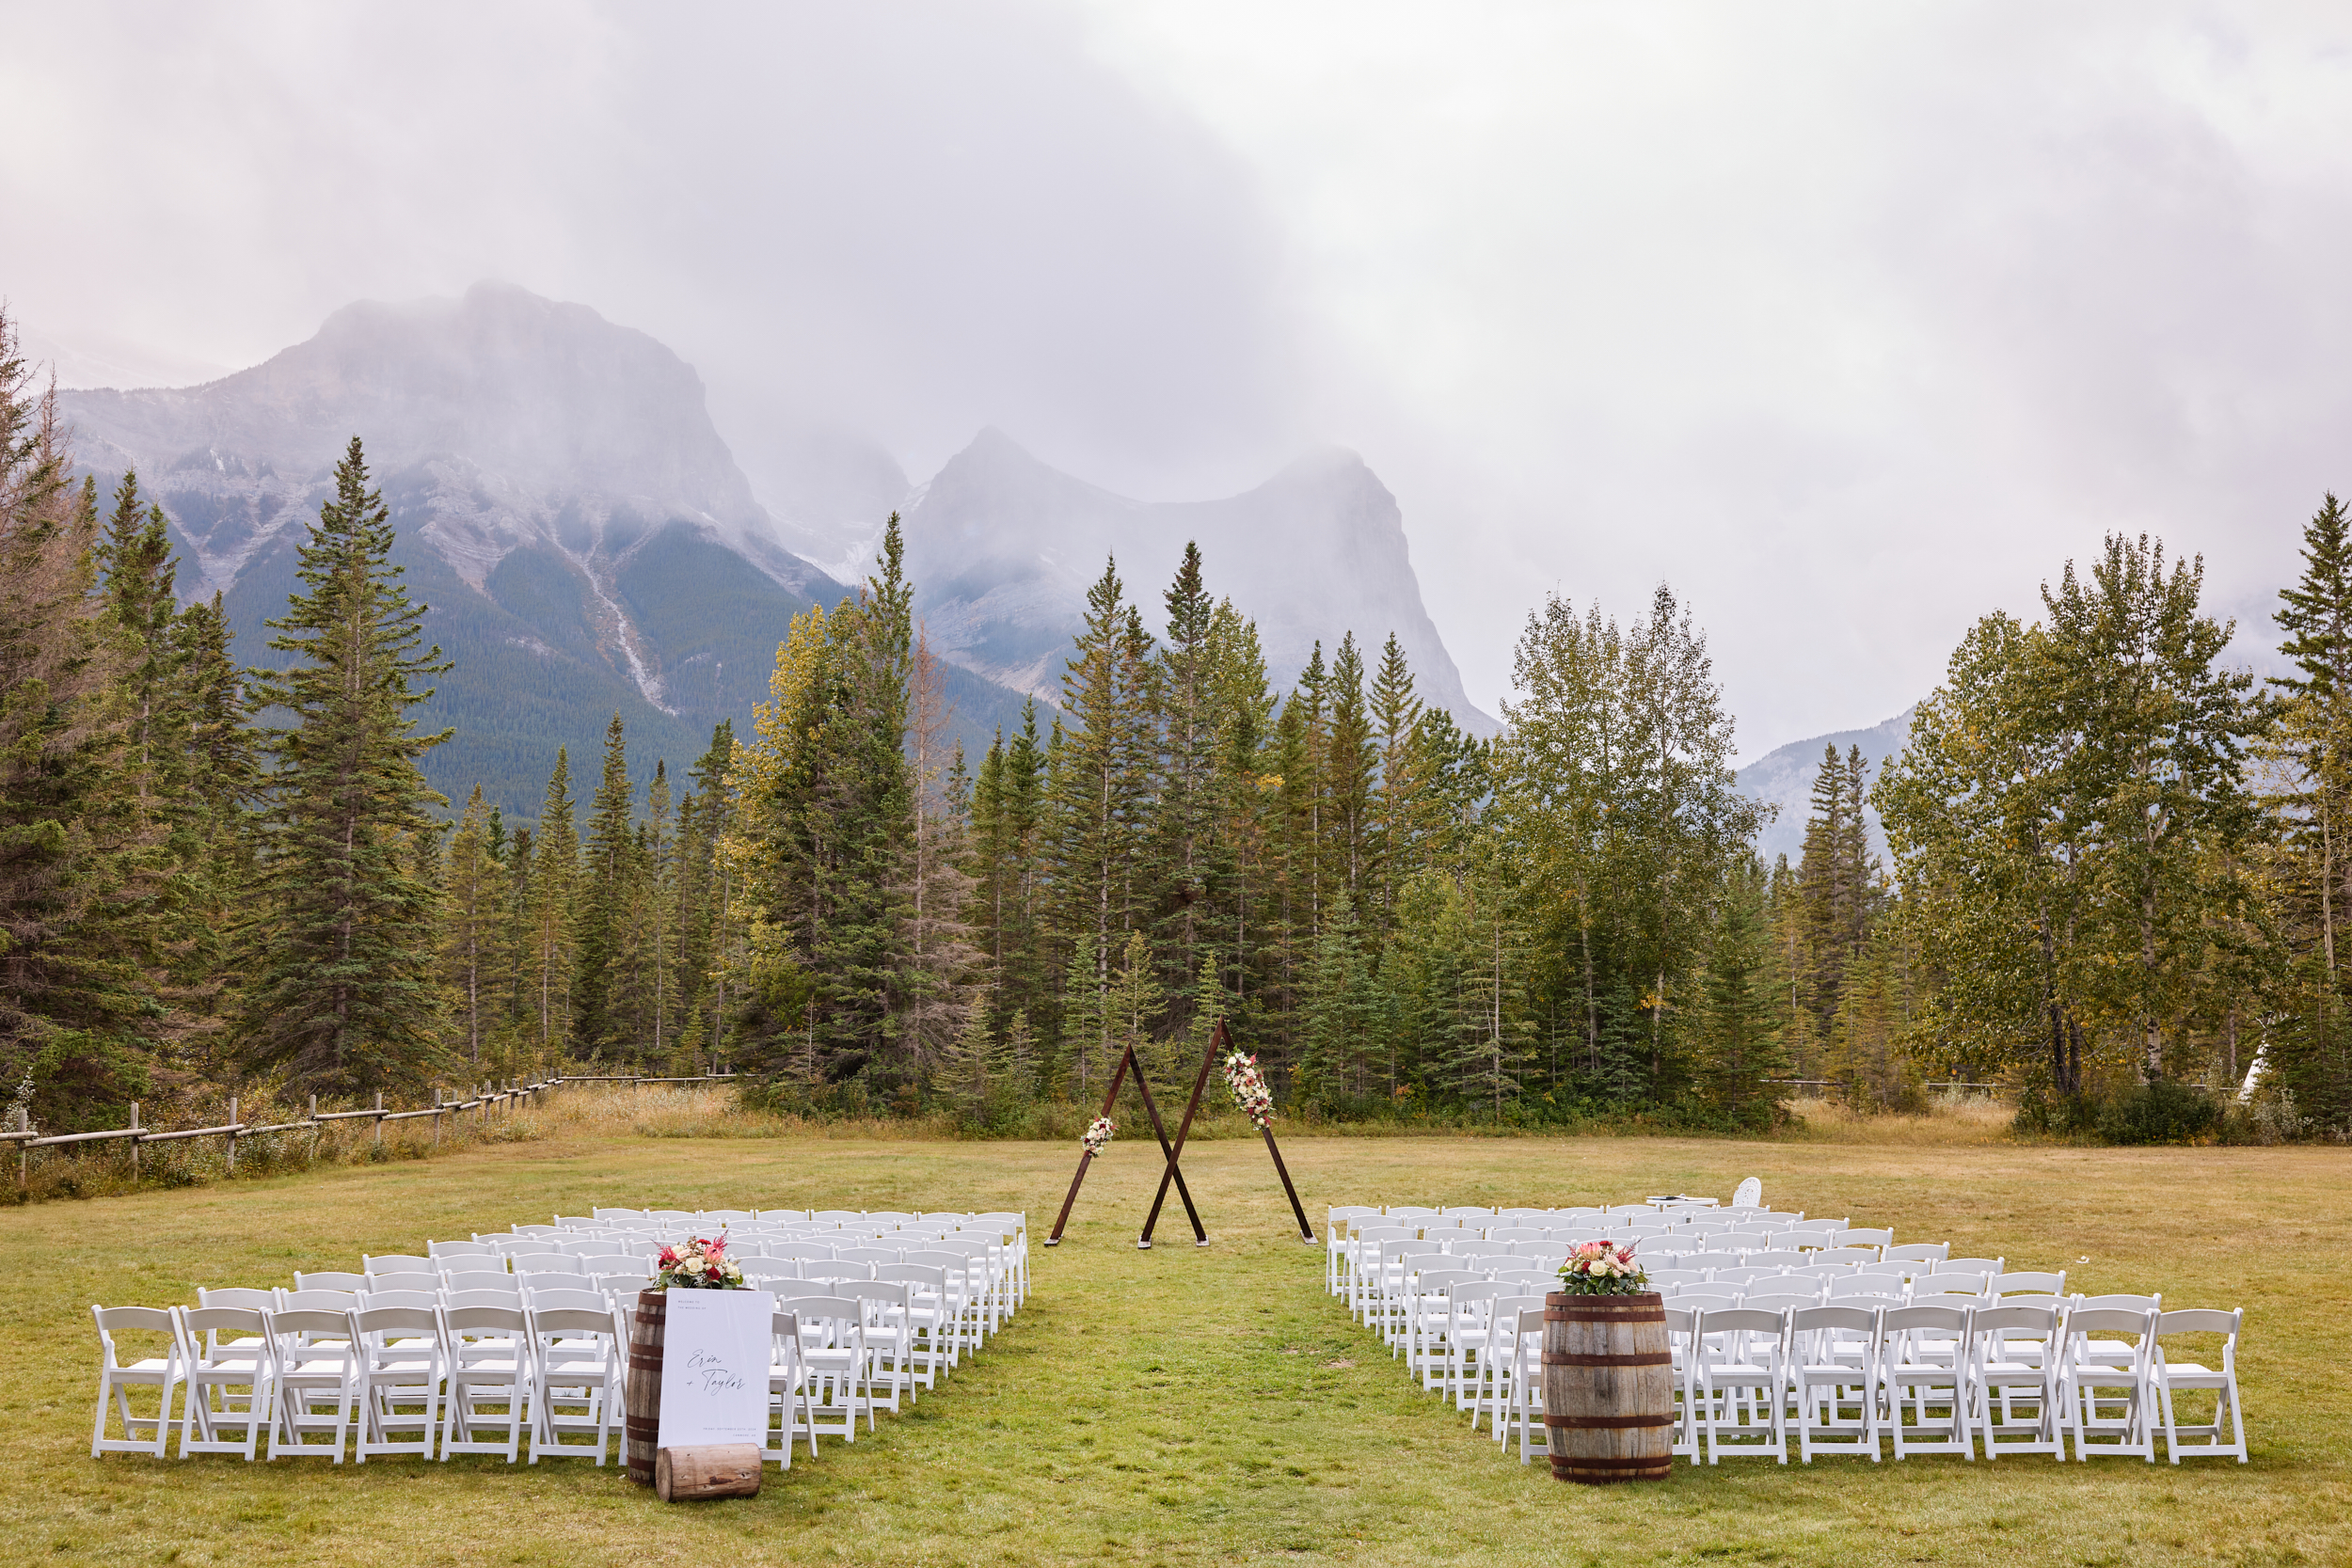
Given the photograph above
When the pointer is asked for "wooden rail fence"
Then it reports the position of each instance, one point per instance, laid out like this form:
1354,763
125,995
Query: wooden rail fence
486,1098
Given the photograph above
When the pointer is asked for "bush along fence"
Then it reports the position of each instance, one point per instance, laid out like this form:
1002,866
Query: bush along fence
486,1101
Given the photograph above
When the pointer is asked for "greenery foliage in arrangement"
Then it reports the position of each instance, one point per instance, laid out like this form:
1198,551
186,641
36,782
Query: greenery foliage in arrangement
2117,878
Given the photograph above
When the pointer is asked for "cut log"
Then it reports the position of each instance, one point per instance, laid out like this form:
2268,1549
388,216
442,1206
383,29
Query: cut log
640,1420
708,1470
1609,1397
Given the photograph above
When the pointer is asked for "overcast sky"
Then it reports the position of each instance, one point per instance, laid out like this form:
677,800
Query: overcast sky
1851,321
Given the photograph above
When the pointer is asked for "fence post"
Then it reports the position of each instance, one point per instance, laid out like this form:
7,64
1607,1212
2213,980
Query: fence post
24,1152
135,1144
232,1134
379,1119
314,1129
437,1116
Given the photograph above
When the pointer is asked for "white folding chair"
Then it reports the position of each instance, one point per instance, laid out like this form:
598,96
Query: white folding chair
1737,1377
2105,1381
236,1374
1524,1410
2172,1376
889,1340
576,1353
1924,1354
310,1347
117,1378
833,1360
486,1352
1832,1352
931,1327
2016,1381
396,1380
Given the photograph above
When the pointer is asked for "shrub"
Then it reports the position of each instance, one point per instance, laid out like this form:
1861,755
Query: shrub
2159,1112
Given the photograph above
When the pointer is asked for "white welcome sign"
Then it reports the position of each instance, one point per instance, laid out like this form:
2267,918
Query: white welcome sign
714,1367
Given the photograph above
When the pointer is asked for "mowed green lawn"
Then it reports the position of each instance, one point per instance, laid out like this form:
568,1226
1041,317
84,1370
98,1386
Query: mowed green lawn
1210,1405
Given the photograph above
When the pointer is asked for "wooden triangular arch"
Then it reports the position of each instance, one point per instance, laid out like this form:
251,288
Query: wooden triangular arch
1173,1170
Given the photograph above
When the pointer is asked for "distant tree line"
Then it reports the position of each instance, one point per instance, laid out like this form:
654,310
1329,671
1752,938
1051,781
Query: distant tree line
2118,868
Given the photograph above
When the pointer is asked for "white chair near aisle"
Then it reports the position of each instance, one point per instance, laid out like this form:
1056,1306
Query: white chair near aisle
889,1342
931,1327
117,1379
789,1393
396,1377
311,1351
1524,1410
1337,1220
576,1358
2016,1381
1737,1377
235,1373
2105,1381
1469,1321
1832,1356
2171,1375
487,1356
1681,1333
1429,1311
833,1358
1923,1371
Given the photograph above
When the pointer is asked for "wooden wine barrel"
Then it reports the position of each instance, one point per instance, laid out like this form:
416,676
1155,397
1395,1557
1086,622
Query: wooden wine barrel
711,1470
1609,1395
641,1422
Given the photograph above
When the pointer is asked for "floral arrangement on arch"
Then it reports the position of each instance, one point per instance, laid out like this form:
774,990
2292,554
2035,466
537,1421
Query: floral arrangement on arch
700,1264
1099,1132
1249,1091
1602,1269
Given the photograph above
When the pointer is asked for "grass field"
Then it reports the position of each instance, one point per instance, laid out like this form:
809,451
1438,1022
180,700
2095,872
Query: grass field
1190,1406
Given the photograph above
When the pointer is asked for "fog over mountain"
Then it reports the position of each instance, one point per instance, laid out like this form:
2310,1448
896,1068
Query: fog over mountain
589,545
1003,549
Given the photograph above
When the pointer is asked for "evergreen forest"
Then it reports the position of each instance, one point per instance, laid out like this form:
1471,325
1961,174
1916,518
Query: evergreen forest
2115,878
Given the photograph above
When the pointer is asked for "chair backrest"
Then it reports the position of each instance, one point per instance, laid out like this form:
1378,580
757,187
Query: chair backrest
1913,1320
572,1294
1710,1261
508,1300
2017,1320
1956,1283
469,1318
244,1321
2199,1320
137,1319
2030,1284
1808,1320
331,1281
1742,1240
1846,1255
1968,1265
459,1249
1778,1300
1919,1252
546,1262
1741,1319
371,1301
628,1284
1865,1288
310,1320
370,1321
240,1296
1867,1238
477,1280
426,1282
2119,1303
1748,1195
397,1262
572,1317
1708,1297
318,1301
616,1263
1955,1299
814,1310
1776,1260
874,1254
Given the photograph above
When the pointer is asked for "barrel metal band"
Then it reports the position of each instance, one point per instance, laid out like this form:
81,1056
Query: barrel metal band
1607,1423
1632,1358
1579,1461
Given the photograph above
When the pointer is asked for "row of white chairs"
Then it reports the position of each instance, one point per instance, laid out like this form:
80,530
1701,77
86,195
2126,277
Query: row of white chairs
2016,1377
871,1327
1466,1318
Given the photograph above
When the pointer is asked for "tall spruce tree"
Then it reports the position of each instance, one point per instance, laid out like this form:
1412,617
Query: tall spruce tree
606,871
344,996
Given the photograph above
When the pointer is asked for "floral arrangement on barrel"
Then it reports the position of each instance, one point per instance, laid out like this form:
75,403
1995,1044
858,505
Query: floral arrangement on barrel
699,1264
1249,1091
1099,1132
1602,1269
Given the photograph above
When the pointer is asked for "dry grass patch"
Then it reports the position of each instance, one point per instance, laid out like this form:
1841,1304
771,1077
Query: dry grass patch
1210,1405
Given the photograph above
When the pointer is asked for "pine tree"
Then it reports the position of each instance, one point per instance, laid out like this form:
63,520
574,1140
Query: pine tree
605,874
71,995
554,884
475,896
344,995
1737,1044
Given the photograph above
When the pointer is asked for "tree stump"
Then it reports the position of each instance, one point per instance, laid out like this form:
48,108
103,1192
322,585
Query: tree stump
641,1421
708,1470
1609,1394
